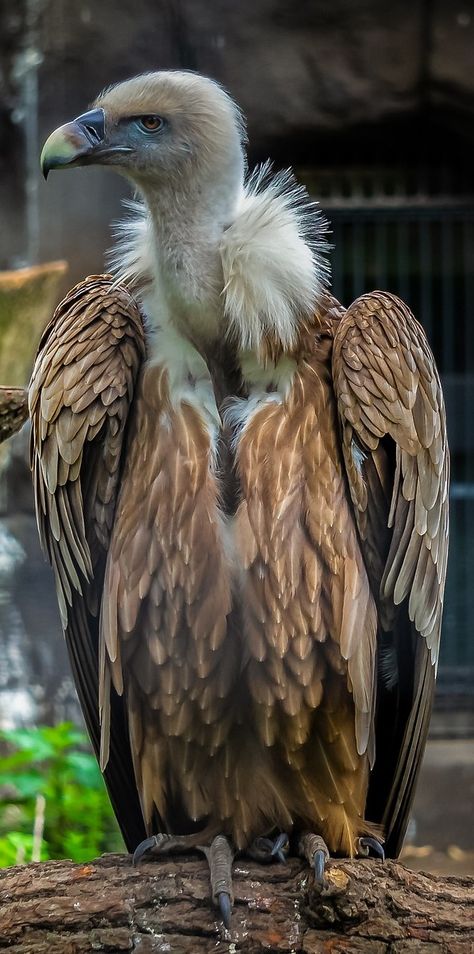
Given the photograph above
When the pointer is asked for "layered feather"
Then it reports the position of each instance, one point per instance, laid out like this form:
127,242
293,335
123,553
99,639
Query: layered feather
79,398
259,657
391,404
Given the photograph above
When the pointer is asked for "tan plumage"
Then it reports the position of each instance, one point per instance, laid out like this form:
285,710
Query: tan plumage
249,539
79,398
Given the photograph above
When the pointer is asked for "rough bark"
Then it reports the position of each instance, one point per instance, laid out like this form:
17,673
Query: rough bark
13,411
368,907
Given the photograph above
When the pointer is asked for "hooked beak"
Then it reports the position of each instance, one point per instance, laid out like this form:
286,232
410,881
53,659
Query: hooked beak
79,143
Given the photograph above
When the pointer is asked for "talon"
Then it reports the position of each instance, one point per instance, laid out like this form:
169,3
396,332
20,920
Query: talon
219,856
314,849
281,847
367,844
163,844
319,865
225,905
143,847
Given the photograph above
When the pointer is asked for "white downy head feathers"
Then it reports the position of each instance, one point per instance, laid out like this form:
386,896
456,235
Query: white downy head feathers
273,254
273,259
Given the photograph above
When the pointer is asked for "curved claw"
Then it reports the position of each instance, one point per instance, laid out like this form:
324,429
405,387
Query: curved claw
143,847
319,866
280,847
225,906
372,844
315,850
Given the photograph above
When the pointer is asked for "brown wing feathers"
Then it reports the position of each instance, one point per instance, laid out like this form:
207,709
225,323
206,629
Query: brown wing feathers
164,638
394,442
80,393
309,616
320,574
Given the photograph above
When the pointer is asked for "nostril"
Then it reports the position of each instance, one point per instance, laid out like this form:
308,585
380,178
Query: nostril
92,132
93,125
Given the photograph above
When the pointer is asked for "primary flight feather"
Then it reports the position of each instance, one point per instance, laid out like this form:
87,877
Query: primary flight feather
242,487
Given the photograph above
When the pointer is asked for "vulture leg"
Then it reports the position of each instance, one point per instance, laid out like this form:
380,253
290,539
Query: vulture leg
314,849
220,856
368,845
265,850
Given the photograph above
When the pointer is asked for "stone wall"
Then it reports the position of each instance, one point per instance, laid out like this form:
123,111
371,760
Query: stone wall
302,72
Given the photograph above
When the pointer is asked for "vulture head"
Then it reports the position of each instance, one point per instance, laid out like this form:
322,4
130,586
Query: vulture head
220,252
166,129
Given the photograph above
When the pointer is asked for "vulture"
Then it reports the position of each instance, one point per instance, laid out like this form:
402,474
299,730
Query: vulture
242,488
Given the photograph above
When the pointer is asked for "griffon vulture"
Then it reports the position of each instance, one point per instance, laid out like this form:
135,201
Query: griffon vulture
242,487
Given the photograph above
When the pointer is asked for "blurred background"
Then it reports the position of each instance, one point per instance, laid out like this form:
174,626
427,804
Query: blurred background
373,104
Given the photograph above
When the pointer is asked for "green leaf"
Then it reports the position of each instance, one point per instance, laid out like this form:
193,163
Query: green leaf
56,762
85,769
29,740
25,784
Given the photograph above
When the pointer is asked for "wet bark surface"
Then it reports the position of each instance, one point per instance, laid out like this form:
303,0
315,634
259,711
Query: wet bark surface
107,905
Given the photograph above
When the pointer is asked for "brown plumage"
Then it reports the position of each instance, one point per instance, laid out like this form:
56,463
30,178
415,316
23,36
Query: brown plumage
277,682
250,557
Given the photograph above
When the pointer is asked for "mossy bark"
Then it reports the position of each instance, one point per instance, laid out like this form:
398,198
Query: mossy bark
27,300
13,411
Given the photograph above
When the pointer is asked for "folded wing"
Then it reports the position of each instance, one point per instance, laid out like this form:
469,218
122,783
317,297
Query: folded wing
80,395
394,441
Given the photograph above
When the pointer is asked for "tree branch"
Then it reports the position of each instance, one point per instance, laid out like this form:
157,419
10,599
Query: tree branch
13,411
368,907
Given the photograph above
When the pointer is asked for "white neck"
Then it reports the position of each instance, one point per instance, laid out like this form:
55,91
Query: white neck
187,227
223,259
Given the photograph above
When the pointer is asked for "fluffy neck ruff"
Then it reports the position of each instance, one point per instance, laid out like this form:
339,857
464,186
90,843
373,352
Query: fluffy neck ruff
256,270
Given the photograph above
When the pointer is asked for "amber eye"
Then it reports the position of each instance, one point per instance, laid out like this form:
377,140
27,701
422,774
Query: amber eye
150,123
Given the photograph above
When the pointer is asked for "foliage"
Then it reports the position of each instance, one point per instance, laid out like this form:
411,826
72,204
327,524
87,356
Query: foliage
55,763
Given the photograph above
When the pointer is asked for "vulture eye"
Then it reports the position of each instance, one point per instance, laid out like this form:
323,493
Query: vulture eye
150,123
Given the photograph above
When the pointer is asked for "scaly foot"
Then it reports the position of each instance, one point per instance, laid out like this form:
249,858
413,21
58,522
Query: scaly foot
163,844
220,856
314,849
